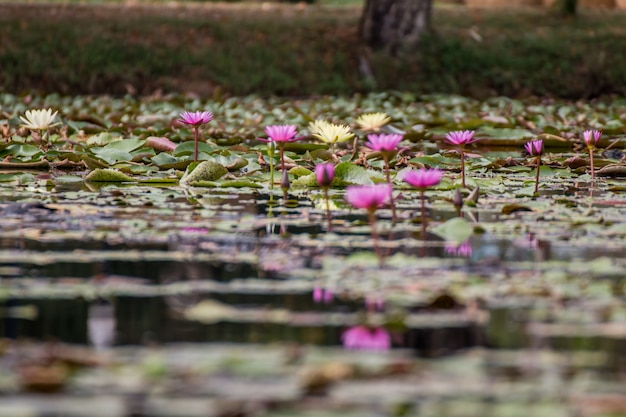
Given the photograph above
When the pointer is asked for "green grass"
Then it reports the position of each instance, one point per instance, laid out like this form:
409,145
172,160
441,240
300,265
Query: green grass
300,51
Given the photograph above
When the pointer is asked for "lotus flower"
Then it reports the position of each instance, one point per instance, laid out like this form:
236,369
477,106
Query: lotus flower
372,122
387,145
591,138
461,138
39,119
195,120
281,134
369,197
329,132
423,179
535,148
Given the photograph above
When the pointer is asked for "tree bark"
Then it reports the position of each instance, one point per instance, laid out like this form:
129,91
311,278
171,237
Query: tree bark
392,24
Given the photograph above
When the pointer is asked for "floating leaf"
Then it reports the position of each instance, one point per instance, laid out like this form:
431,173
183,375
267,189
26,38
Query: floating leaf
204,171
349,173
107,175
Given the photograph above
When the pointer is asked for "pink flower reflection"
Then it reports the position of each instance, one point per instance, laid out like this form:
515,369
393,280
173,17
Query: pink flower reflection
321,295
464,249
366,338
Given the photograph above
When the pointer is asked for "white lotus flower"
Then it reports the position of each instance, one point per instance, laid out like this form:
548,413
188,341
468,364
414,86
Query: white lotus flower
39,119
372,121
329,132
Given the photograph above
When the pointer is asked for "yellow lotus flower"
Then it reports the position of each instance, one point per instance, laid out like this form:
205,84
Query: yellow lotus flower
39,119
372,121
329,132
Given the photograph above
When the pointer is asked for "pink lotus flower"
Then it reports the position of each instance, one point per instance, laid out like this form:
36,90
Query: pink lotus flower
324,173
383,142
461,138
365,338
195,118
280,133
369,197
386,144
423,178
591,138
534,147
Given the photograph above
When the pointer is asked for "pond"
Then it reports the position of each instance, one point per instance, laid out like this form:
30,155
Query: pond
150,296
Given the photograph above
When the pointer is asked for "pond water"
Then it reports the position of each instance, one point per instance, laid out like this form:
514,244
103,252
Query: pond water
153,297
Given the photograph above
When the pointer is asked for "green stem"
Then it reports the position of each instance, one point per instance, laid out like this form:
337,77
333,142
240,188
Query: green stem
537,177
423,214
281,146
391,201
271,172
195,145
463,168
593,173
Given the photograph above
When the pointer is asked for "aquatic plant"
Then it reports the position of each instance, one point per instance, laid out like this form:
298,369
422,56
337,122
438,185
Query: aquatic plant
281,134
461,138
535,148
372,122
324,174
330,133
423,179
195,120
591,138
387,145
41,119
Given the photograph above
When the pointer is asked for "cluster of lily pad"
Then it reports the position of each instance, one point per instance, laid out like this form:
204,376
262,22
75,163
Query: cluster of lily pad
385,145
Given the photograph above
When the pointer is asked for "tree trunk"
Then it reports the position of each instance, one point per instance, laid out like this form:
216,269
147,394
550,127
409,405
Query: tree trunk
393,24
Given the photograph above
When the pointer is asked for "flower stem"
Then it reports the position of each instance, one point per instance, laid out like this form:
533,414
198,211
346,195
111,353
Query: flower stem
372,220
330,226
537,177
392,203
593,174
281,146
423,214
195,145
463,168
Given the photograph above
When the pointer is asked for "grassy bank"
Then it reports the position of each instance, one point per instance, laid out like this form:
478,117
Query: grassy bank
296,50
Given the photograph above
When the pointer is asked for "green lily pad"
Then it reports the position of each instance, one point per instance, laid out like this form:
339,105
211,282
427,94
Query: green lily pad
204,171
107,175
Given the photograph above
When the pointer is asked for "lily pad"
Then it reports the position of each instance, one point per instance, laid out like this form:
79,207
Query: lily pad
107,175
